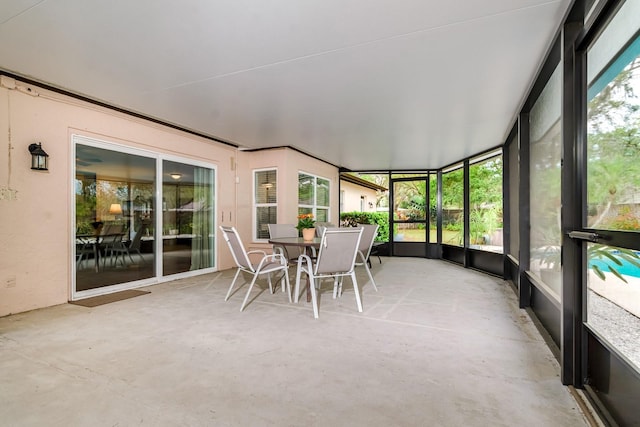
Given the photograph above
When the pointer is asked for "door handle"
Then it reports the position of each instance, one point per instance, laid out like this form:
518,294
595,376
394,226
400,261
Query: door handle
585,235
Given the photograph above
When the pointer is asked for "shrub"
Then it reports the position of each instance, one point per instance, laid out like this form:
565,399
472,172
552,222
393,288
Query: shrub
352,219
625,220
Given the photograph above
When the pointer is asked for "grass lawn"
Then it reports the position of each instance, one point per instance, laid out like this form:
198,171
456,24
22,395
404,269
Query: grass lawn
448,237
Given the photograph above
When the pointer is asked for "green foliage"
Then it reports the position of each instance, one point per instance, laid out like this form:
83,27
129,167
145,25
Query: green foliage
416,208
382,179
410,198
613,172
352,219
433,200
453,189
305,221
85,206
453,226
625,220
485,182
484,222
453,200
485,197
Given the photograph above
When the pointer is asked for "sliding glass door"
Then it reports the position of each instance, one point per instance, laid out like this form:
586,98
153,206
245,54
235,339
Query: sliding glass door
114,215
120,225
187,217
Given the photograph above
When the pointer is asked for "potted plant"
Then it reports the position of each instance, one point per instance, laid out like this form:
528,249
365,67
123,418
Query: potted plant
306,225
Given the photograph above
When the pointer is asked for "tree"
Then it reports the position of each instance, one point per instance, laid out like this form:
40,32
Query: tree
613,172
485,198
382,197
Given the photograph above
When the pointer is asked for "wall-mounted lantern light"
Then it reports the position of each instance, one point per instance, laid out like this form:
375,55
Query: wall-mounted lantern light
39,158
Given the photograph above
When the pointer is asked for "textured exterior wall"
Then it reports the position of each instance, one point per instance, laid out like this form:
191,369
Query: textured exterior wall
35,207
36,229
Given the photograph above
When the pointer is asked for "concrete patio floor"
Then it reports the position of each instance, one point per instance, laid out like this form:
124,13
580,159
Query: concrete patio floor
437,345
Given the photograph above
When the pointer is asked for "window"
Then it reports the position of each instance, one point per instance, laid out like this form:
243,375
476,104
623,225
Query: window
613,182
265,201
545,179
314,196
613,190
453,206
485,203
514,198
433,208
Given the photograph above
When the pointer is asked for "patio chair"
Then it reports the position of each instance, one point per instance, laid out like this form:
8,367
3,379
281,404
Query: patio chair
320,226
111,240
375,251
84,250
125,248
277,231
369,233
336,259
136,243
268,264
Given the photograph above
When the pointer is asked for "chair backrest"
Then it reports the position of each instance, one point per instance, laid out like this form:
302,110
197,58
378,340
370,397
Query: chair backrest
236,247
112,234
112,228
135,242
338,250
320,226
282,230
369,232
286,230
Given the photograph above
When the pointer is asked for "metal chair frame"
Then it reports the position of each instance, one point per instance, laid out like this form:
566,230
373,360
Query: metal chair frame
268,264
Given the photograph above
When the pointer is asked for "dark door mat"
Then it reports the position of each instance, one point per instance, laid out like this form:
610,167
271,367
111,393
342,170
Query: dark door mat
106,299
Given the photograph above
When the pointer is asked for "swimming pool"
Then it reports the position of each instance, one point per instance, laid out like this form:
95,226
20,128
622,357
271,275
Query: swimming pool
626,269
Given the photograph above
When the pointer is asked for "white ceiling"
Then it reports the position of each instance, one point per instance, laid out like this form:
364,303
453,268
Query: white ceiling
363,84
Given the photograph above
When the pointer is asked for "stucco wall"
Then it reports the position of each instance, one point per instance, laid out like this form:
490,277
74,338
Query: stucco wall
288,163
36,232
352,197
35,207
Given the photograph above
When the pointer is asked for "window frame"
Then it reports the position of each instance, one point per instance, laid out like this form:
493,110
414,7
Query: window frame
315,206
478,161
256,204
158,157
460,166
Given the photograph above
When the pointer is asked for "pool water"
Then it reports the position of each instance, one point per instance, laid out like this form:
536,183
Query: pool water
626,269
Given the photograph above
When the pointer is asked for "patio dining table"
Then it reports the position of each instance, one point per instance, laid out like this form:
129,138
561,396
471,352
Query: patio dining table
299,242
95,242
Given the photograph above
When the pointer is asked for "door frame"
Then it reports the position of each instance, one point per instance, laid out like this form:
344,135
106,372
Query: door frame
414,249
